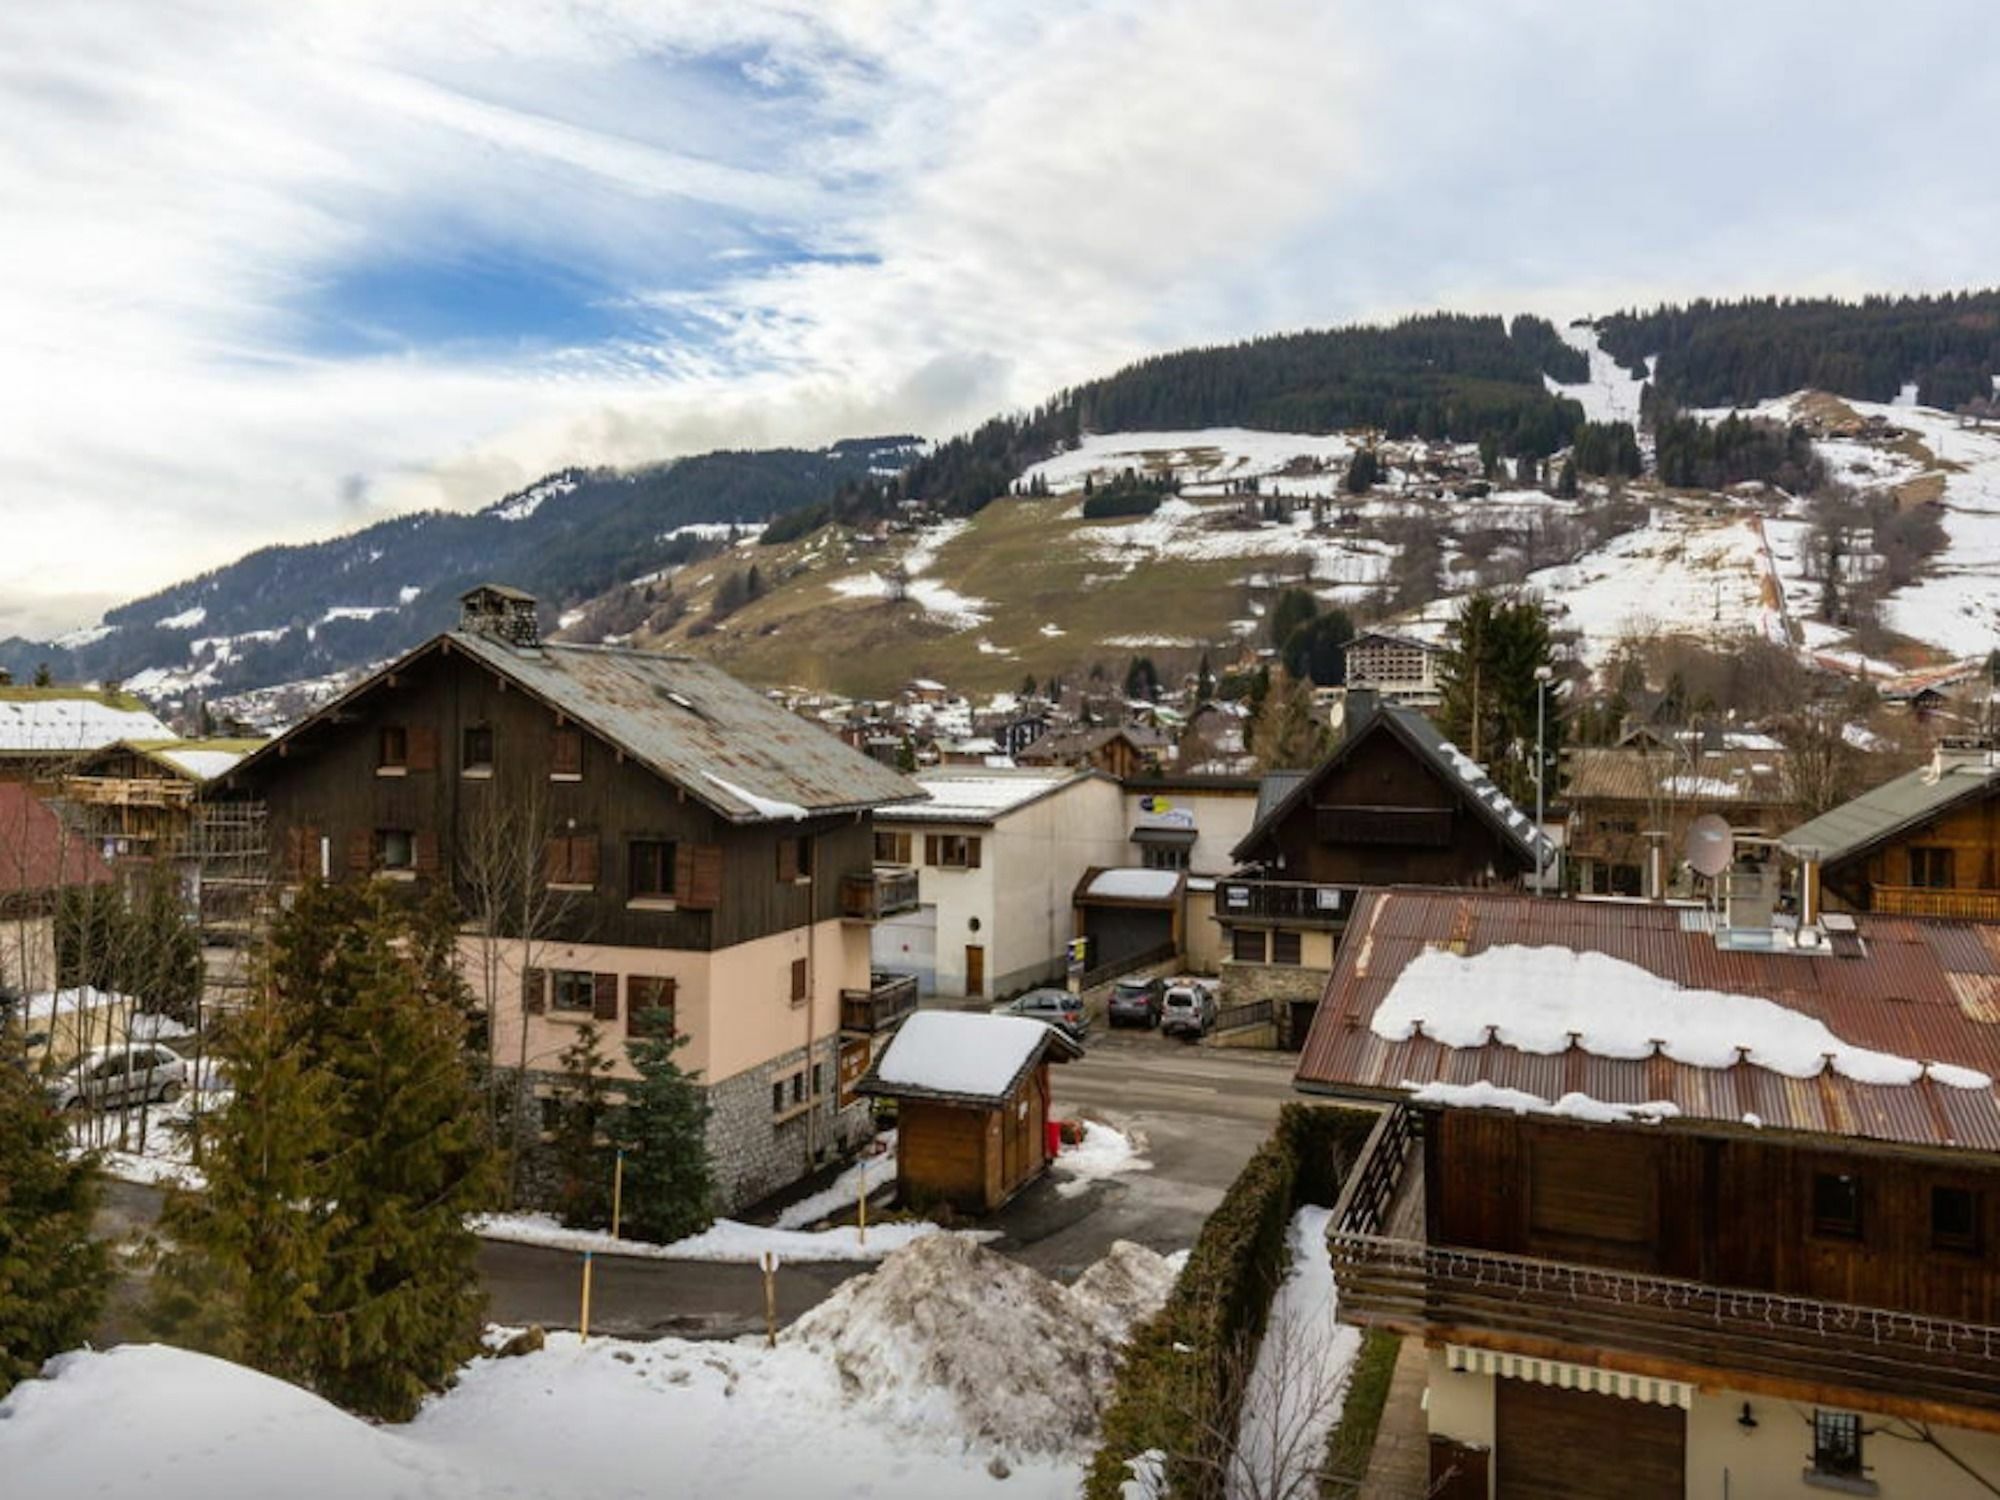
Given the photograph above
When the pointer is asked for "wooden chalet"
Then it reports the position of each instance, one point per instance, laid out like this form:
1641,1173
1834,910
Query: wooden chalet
1675,1209
1120,751
139,799
1925,844
694,857
1396,803
972,1105
1627,799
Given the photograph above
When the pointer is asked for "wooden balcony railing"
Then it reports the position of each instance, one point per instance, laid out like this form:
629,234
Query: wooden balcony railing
1412,1286
1288,901
870,895
1926,901
128,791
886,1001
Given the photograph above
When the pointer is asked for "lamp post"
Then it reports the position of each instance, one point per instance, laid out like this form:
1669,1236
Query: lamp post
1543,674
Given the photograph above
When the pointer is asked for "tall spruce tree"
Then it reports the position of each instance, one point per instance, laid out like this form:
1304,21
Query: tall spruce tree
663,1130
53,1275
1490,691
583,1103
249,1253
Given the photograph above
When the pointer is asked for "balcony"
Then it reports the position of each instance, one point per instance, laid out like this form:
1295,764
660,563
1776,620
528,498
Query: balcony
888,999
871,895
1927,901
1293,903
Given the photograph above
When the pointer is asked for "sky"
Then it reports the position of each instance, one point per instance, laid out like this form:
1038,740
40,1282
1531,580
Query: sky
269,272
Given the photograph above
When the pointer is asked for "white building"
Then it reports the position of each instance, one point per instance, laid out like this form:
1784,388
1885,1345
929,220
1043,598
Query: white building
998,855
1400,668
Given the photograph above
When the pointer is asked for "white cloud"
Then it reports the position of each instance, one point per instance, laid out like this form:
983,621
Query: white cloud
993,200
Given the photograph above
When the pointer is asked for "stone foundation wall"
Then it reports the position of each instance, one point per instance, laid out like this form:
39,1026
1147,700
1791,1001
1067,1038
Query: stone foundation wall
1281,984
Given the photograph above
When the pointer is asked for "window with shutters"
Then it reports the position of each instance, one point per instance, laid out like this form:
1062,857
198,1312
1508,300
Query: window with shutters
573,991
566,755
891,848
1246,944
475,751
795,858
649,869
572,860
798,981
392,750
395,849
956,851
1285,947
649,1005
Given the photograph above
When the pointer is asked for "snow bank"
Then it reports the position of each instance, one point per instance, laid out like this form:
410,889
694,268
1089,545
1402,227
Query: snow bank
1105,1151
1484,1095
947,1339
1533,999
725,1240
1299,1383
844,1192
1126,1287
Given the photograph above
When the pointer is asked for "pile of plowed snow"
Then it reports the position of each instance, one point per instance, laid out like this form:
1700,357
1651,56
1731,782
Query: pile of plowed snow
950,1336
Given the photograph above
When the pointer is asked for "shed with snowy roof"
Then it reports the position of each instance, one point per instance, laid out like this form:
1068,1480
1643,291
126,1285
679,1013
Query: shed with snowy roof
972,1097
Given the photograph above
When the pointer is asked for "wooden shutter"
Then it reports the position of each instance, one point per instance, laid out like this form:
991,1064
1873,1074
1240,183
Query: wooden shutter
798,980
566,753
683,874
297,842
424,852
423,747
534,991
705,883
583,858
361,850
604,997
555,860
971,853
931,849
788,859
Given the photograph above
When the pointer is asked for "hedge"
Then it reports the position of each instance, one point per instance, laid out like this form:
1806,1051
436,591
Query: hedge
1352,1440
1181,1386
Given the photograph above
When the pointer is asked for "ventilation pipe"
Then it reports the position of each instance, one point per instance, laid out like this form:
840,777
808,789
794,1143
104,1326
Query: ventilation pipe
1656,865
1808,889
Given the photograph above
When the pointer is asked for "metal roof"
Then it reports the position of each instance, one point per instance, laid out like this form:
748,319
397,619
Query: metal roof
1686,776
1273,789
1911,799
732,748
1458,770
1920,989
980,794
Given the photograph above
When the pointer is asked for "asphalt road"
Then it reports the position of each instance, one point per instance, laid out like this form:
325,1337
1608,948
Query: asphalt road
1197,1112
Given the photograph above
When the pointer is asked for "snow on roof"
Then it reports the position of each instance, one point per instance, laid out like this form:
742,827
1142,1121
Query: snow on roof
977,795
202,762
45,721
1484,1095
961,1052
1539,999
1135,884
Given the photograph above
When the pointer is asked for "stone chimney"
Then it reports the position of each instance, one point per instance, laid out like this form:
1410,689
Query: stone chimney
503,613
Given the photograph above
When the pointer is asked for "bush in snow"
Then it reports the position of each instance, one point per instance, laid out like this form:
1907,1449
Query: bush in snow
583,1161
52,1274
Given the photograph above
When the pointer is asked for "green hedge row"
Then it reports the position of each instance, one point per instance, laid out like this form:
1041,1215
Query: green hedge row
1352,1440
1181,1386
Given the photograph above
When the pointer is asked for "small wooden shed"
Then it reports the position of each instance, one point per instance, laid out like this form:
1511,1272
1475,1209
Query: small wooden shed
972,1105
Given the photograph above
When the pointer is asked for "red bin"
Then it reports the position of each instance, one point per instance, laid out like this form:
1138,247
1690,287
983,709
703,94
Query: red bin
1052,1131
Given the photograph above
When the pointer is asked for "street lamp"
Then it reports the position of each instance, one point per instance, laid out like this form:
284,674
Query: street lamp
1543,675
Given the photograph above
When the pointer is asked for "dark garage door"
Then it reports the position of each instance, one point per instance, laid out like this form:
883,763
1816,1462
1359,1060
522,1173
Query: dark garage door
1554,1444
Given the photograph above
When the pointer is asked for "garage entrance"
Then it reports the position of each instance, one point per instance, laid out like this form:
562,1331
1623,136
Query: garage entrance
1553,1444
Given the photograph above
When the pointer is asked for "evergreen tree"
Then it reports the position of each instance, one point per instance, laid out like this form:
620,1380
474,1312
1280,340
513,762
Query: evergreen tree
1288,733
582,1158
1204,681
53,1275
1316,652
1364,471
1566,485
1490,691
249,1253
663,1130
1489,453
1293,609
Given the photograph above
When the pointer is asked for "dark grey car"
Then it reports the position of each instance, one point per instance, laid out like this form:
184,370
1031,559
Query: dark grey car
1059,1008
1135,1002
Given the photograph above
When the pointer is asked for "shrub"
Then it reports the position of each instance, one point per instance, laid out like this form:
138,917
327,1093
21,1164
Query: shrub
1110,504
1352,1440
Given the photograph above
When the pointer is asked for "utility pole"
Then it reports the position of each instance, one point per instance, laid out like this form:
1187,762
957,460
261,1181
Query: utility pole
1542,675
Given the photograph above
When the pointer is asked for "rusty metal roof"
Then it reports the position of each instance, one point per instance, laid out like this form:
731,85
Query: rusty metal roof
1920,989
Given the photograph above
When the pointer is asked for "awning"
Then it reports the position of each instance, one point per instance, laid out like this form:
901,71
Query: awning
1569,1377
1173,838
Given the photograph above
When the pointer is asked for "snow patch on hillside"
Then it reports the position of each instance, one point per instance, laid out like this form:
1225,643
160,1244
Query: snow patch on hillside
520,507
1610,393
1293,463
187,619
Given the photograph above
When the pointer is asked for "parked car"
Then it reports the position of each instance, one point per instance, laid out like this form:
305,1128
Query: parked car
1188,1010
1059,1008
119,1076
1135,1002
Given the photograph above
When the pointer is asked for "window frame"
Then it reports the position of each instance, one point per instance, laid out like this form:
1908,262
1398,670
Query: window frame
1967,1241
1837,1439
563,735
1166,856
1237,936
1931,867
467,765
407,865
392,749
1284,939
664,857
966,859
897,840
588,989
1849,1228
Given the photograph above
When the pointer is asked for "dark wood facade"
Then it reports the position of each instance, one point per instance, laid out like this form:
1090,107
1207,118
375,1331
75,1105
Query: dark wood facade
972,1156
1766,1215
477,753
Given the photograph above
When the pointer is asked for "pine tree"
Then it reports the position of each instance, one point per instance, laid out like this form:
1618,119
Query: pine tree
1364,471
53,1275
583,1102
401,1307
663,1130
1566,486
250,1252
1490,691
1287,733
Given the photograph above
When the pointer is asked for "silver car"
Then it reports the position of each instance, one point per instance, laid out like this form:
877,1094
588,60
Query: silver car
119,1076
1189,1010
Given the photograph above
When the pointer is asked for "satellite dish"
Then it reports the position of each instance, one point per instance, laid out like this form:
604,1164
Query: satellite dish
1710,845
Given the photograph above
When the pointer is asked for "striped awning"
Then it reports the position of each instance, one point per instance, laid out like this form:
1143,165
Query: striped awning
1566,1376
